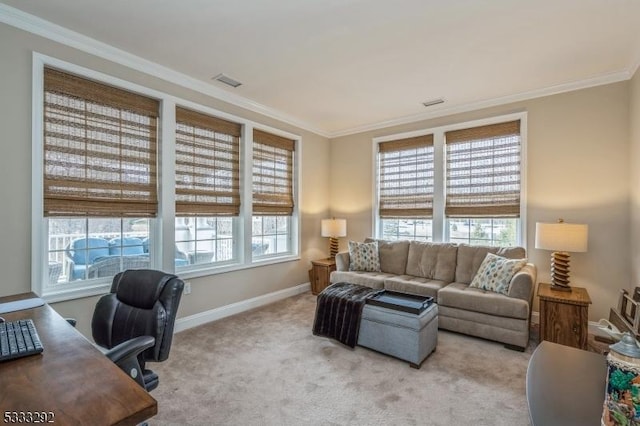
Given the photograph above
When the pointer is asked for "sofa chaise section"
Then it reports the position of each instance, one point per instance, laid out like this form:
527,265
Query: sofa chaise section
486,314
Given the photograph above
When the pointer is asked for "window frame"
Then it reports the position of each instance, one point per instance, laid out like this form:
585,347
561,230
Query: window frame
162,228
294,218
440,223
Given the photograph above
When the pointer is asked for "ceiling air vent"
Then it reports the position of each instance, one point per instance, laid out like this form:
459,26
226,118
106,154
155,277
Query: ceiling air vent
227,80
433,102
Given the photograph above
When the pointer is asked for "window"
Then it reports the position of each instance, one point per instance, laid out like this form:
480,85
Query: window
463,185
273,197
201,193
405,185
99,177
483,184
207,188
407,229
485,232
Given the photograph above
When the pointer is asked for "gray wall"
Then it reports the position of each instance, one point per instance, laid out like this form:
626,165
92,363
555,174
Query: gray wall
208,292
577,169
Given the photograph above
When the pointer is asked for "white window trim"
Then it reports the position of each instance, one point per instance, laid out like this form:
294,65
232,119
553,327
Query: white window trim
439,219
162,228
294,224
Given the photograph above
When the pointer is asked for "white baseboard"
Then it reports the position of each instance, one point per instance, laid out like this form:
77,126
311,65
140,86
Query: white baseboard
535,317
593,325
200,318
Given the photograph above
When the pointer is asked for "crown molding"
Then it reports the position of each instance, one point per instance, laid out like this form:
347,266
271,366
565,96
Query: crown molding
38,26
472,106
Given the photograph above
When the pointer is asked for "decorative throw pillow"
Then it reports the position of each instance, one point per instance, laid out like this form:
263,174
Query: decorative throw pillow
495,273
364,256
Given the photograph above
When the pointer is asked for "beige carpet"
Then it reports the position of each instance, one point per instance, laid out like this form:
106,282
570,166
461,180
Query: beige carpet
264,367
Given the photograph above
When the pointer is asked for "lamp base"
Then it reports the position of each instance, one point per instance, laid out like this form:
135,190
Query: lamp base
560,271
555,287
333,247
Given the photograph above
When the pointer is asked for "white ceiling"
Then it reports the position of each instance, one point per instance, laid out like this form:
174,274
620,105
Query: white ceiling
346,65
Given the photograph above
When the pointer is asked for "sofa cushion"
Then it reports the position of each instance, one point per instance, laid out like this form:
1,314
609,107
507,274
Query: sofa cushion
369,279
470,258
495,273
364,256
435,261
393,255
414,285
461,296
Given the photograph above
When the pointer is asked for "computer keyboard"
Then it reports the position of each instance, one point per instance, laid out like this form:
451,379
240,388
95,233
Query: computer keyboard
18,338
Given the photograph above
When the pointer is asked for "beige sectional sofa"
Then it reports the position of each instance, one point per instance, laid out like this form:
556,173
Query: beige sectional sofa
444,271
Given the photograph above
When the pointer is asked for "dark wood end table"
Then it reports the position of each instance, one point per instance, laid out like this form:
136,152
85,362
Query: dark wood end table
564,316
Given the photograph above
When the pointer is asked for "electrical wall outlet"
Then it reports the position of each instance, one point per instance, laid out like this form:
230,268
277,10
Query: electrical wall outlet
187,287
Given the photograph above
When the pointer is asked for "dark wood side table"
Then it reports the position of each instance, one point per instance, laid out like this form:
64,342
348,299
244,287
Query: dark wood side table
564,316
319,274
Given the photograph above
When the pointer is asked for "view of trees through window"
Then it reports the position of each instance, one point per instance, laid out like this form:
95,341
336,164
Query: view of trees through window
481,231
472,231
407,229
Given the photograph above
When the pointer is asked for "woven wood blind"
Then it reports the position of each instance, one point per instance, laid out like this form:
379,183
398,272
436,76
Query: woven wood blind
207,165
406,178
483,171
272,174
100,147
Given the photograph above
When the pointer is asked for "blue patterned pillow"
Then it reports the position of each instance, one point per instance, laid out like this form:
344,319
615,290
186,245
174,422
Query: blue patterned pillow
495,273
364,256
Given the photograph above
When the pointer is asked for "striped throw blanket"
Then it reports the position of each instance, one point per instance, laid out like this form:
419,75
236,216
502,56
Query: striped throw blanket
338,311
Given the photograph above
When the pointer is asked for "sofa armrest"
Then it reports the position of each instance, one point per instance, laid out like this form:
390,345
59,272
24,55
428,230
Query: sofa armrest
523,282
342,261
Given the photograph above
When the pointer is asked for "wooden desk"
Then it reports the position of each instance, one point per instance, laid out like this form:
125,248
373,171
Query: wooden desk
565,386
71,378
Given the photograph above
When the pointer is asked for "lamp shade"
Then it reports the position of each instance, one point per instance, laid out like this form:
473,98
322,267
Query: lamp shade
570,237
334,228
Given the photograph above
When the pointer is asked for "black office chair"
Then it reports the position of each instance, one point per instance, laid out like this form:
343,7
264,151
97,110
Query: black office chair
135,321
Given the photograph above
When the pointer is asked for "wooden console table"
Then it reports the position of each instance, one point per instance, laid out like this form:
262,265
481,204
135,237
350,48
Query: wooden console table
565,386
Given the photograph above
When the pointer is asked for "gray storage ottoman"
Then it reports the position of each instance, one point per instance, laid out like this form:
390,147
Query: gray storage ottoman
405,335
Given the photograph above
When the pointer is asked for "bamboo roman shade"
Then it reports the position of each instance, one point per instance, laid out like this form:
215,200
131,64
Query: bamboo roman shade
272,174
406,178
100,147
483,171
207,165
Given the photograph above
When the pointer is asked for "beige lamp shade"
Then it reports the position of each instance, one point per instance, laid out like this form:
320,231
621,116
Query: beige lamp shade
569,237
561,238
334,228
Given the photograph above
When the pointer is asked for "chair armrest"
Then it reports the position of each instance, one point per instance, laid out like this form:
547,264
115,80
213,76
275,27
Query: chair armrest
125,356
130,348
342,261
523,282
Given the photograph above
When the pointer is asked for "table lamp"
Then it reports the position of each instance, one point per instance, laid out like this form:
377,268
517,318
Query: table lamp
562,238
333,228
